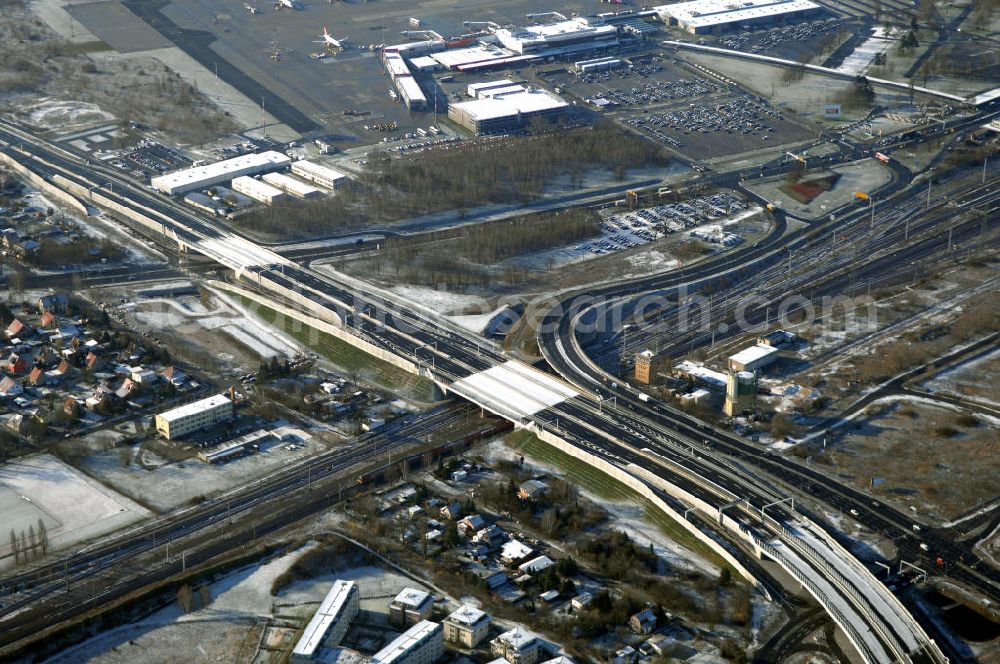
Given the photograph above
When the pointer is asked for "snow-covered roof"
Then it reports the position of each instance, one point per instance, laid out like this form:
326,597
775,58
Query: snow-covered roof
195,407
402,644
528,101
411,598
717,12
515,550
753,354
192,178
329,611
467,615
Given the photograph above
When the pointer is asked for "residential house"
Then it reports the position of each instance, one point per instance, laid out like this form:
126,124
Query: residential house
71,407
25,248
10,387
143,376
8,237
626,655
49,320
536,565
532,490
643,622
15,364
490,536
18,328
36,377
56,303
451,511
514,551
581,601
128,387
471,524
92,361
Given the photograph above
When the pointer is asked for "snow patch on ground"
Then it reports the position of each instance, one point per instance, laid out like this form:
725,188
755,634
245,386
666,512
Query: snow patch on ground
62,115
242,596
74,507
652,260
442,301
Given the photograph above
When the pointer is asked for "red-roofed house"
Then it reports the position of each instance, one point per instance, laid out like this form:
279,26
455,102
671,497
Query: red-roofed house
17,329
49,320
36,377
15,364
10,387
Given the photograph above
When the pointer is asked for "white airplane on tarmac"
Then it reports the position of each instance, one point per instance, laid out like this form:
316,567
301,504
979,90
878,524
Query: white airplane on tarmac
332,42
287,4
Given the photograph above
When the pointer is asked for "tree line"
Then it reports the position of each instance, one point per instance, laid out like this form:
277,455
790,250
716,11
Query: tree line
497,170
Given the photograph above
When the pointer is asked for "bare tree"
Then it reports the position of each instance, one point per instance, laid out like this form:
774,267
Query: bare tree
13,546
185,597
43,536
206,596
32,541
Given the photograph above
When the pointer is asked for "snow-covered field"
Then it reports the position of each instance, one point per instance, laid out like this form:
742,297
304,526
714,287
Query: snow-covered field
74,507
972,380
443,301
210,633
227,316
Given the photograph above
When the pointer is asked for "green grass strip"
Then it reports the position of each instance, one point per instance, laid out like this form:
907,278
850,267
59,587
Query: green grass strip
344,355
608,488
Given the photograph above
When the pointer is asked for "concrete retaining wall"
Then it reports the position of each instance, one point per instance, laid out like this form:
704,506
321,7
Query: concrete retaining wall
323,326
44,185
643,489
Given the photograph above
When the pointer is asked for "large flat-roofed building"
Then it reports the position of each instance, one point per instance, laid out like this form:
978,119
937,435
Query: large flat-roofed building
410,93
573,35
196,415
475,89
290,185
505,112
753,358
317,174
410,606
467,626
702,16
421,644
330,622
202,177
257,189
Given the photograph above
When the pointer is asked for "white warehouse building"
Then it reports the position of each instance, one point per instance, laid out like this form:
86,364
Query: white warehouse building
257,190
702,16
317,174
330,622
202,177
291,185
